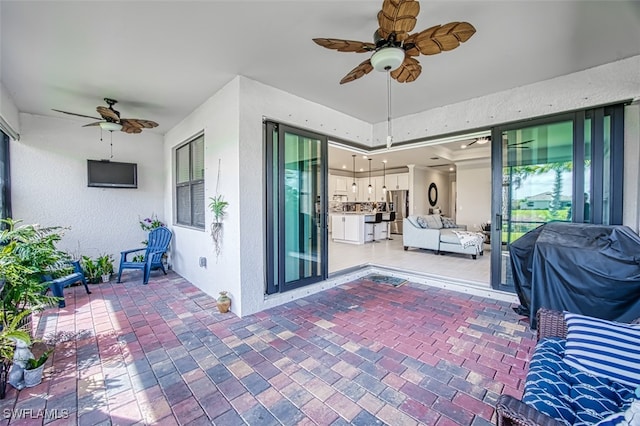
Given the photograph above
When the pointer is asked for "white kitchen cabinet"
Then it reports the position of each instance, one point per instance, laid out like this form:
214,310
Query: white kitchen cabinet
347,228
398,181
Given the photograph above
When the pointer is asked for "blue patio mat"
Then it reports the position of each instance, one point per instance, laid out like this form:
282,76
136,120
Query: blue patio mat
385,279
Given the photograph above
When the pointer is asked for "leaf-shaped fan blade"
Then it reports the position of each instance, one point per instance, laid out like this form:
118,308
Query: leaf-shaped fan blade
408,71
108,114
345,45
398,16
442,37
97,123
135,125
363,69
79,115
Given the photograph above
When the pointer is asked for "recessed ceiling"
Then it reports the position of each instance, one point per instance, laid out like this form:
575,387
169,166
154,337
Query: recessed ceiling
162,59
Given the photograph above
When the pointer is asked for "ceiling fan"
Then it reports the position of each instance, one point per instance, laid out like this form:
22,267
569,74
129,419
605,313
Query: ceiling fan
111,119
479,141
519,145
394,49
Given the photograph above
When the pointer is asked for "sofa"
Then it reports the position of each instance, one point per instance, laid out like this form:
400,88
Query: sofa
435,232
583,371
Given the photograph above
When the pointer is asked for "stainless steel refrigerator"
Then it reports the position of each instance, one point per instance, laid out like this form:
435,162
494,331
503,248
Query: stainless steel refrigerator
399,203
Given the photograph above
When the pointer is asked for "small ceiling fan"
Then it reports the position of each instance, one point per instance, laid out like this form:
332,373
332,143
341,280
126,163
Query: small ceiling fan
111,119
394,48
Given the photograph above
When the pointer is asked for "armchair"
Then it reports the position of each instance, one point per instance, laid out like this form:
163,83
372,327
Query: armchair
157,246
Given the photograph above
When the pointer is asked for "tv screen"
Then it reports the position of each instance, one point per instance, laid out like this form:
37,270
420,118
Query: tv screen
111,174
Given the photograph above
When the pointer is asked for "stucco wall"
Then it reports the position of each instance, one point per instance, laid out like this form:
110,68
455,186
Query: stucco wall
218,118
49,184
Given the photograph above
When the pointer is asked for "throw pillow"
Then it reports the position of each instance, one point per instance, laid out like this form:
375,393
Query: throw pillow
447,222
422,222
414,221
434,221
603,348
628,417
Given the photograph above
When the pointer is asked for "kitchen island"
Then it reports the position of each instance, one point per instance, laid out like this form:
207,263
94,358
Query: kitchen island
351,227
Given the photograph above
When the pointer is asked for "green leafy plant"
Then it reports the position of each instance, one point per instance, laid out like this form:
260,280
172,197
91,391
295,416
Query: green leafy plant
34,363
105,264
28,256
9,333
218,207
90,268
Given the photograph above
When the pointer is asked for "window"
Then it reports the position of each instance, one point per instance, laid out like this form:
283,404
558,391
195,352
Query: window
190,183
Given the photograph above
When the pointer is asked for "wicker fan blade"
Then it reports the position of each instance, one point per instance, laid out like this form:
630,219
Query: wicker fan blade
363,69
345,45
408,71
442,37
79,115
108,114
138,123
97,123
399,17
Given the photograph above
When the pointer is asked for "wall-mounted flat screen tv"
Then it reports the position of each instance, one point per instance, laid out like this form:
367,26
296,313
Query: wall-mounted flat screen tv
112,174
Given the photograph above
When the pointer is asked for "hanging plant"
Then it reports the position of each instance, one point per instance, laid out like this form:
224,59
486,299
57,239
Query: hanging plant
218,207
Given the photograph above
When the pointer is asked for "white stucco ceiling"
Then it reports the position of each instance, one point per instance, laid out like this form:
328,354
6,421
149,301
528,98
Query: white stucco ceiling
162,59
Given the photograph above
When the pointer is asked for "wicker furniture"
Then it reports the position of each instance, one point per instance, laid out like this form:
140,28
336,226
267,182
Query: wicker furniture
511,411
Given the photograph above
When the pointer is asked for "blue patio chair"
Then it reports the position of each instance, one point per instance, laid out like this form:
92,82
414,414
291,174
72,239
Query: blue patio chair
157,246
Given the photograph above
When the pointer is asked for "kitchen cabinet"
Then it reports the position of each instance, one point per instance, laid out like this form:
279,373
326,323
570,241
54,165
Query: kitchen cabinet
338,185
398,181
347,228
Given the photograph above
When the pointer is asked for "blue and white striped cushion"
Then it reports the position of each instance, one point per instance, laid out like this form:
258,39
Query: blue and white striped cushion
603,348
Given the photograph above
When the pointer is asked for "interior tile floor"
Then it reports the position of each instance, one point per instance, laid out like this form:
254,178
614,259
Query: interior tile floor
391,253
363,353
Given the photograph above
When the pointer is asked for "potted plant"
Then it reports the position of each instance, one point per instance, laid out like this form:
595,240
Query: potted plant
9,333
105,267
218,207
28,256
34,368
91,270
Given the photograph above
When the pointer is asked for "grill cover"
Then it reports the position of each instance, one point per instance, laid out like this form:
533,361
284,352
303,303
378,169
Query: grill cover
587,269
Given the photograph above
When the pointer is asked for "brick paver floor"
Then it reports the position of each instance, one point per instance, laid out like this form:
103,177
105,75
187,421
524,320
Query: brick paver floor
363,353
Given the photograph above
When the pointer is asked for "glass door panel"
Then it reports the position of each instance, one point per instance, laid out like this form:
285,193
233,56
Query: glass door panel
537,184
302,214
296,208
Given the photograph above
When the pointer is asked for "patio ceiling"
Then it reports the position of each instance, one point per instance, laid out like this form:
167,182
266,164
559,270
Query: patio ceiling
163,59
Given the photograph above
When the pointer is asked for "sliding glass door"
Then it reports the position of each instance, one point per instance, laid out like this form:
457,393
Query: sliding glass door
563,168
296,207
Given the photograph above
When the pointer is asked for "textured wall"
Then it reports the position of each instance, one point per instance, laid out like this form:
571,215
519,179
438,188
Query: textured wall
49,184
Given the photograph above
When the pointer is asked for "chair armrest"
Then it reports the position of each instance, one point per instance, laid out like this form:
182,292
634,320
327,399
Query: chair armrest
460,227
551,324
511,411
132,250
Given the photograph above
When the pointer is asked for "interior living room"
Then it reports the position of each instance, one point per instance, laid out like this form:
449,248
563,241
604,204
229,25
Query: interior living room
336,202
425,179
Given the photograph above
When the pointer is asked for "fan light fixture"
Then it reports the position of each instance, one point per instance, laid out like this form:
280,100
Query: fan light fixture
387,58
110,126
354,187
370,188
482,141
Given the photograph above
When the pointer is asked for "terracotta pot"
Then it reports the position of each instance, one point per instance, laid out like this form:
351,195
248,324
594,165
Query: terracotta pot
224,302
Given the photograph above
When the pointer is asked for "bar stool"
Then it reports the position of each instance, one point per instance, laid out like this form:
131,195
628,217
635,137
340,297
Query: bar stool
392,218
377,219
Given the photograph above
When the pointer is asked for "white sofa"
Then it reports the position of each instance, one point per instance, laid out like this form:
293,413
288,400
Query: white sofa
434,236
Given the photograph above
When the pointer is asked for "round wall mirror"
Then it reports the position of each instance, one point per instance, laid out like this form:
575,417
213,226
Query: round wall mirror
433,194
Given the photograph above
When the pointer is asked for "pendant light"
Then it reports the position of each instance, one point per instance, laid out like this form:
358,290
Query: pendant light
370,188
354,187
384,177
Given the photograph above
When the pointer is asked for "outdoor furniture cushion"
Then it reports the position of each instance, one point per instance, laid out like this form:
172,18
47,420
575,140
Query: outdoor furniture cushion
568,394
629,417
604,348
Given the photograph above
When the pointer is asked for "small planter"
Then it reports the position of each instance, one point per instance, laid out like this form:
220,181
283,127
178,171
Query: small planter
106,278
223,302
33,377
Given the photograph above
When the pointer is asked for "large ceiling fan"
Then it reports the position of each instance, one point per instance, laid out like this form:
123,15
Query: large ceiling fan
111,119
394,49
